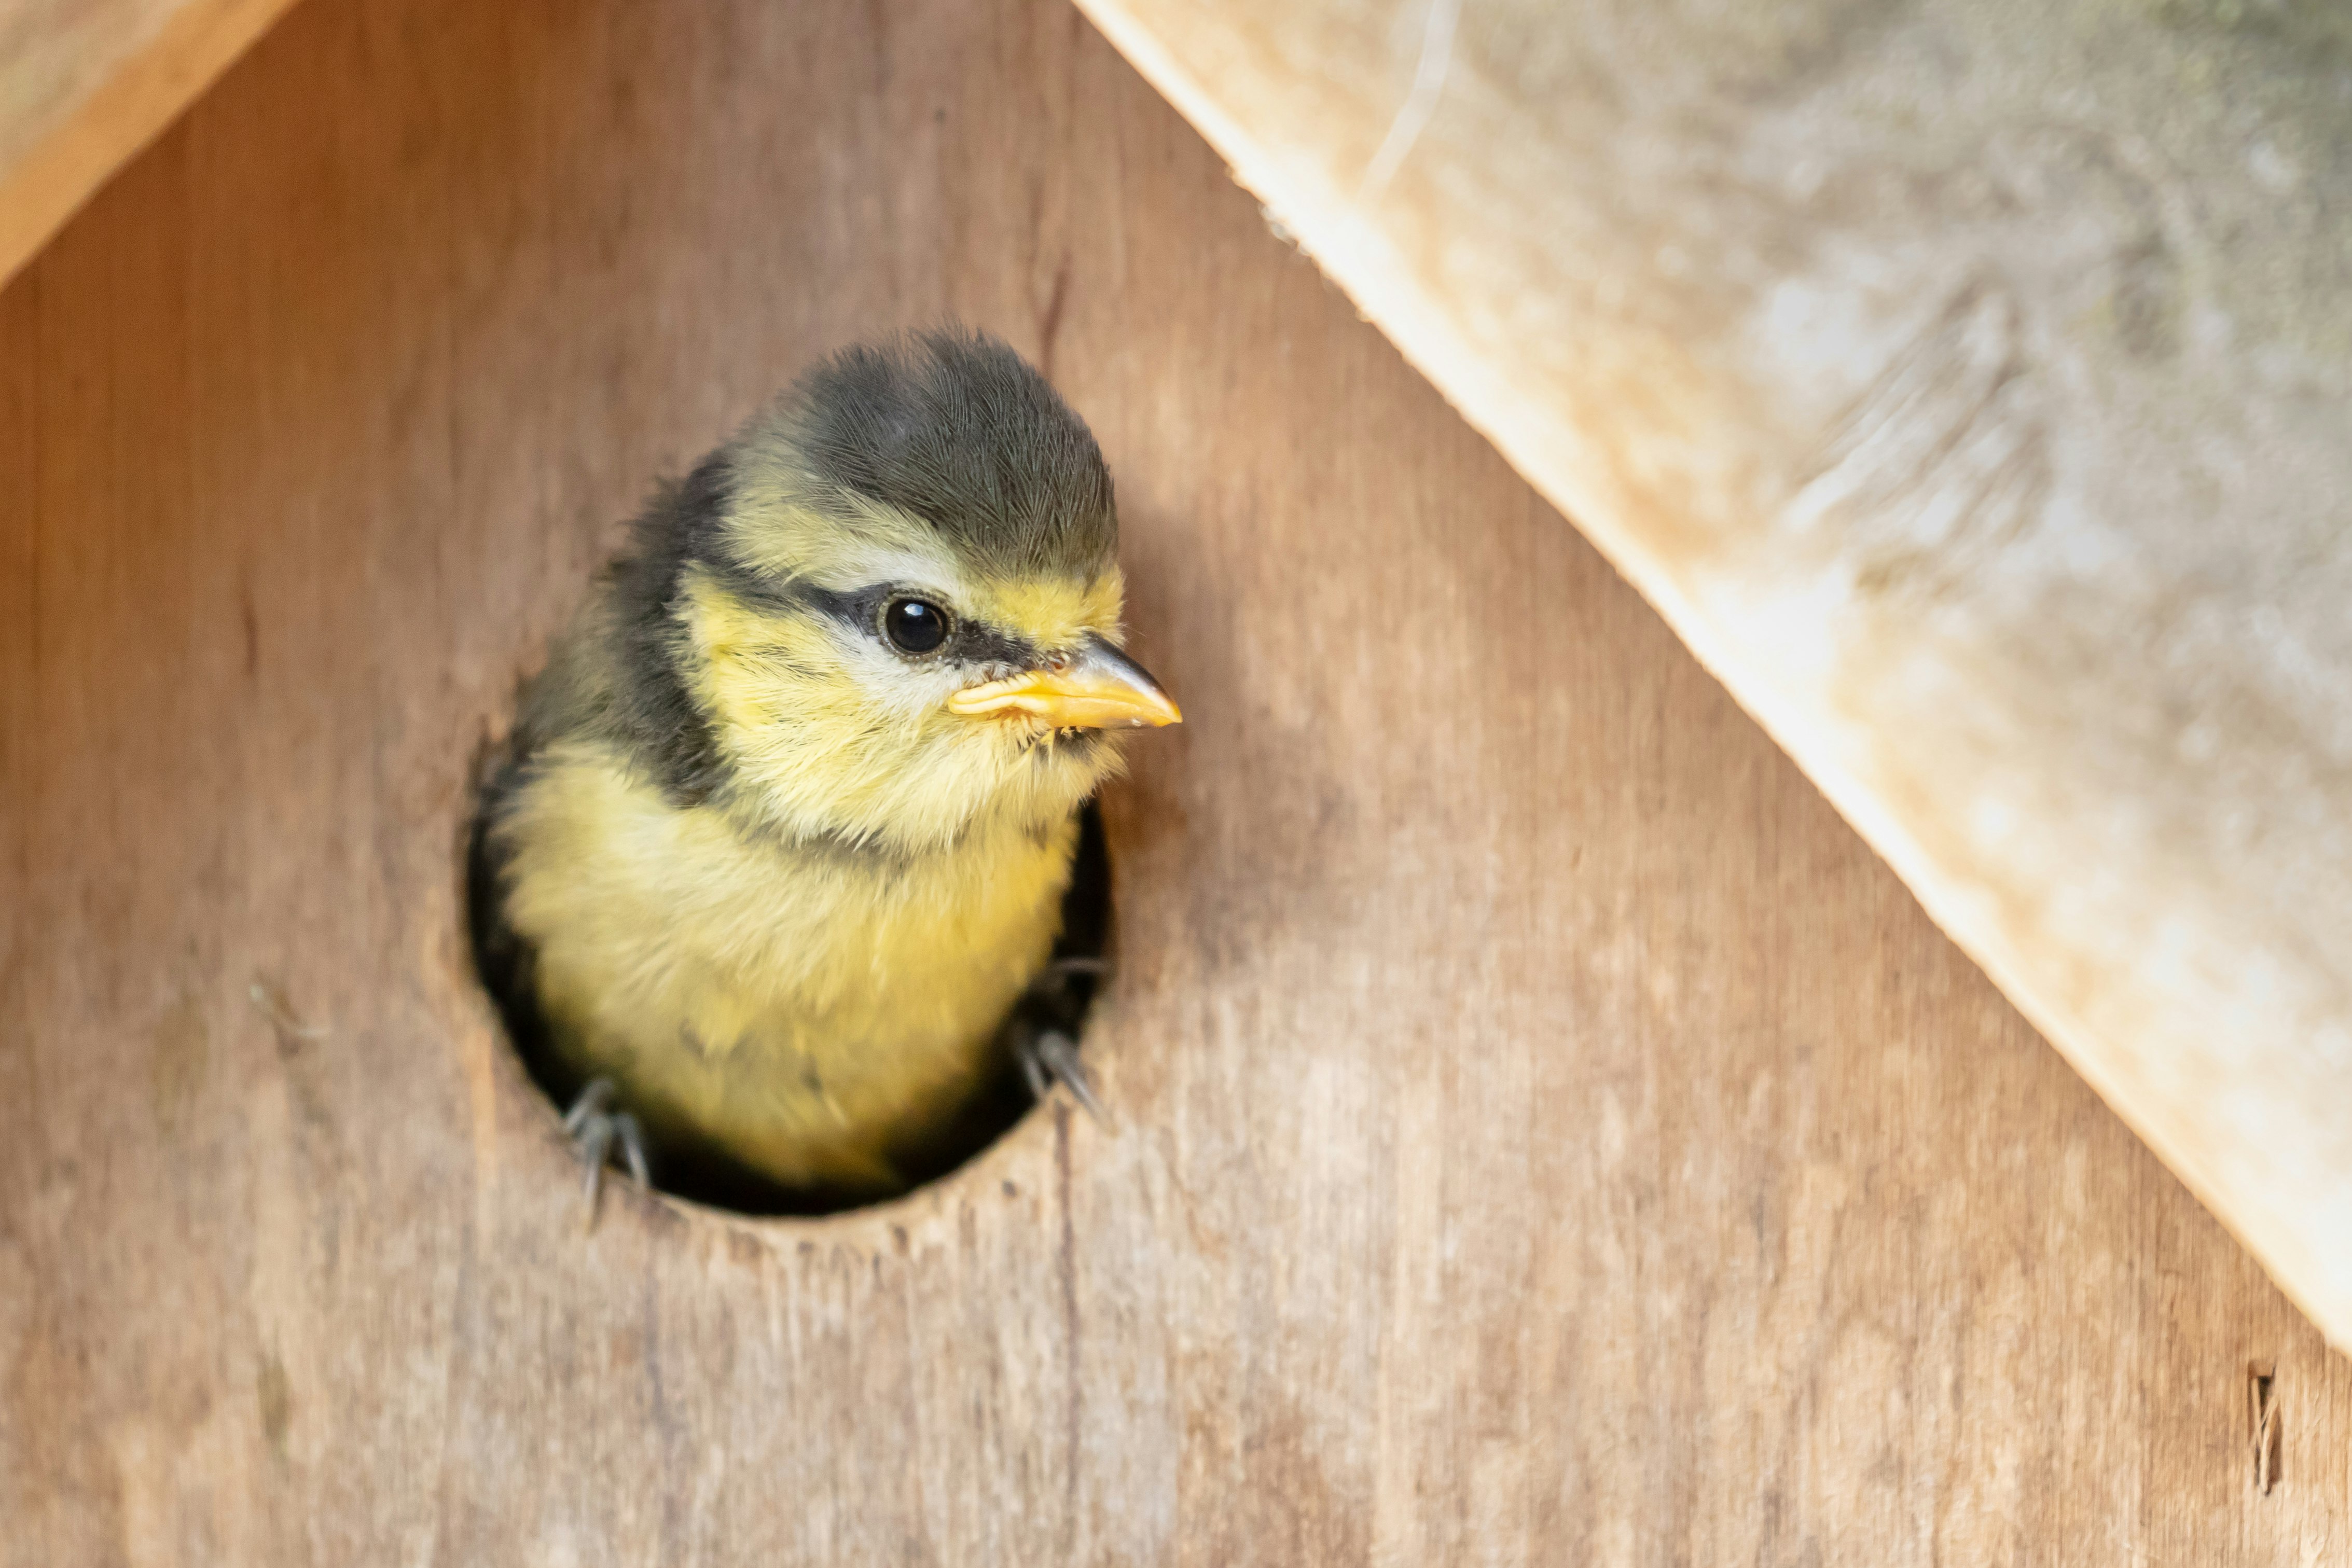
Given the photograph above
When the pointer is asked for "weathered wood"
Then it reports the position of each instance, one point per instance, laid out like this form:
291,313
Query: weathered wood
1543,1132
84,84
1969,384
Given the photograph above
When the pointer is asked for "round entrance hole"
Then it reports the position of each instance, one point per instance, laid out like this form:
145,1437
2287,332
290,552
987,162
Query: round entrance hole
705,1175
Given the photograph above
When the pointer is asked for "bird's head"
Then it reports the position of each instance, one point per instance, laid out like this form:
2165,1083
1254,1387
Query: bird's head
893,603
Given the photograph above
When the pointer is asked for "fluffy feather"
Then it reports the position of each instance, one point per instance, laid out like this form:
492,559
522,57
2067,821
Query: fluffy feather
767,882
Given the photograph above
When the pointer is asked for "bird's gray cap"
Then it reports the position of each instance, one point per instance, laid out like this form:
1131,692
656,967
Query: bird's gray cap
956,429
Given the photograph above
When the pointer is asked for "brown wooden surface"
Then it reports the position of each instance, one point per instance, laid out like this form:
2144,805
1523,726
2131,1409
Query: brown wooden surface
1543,1133
84,84
1968,384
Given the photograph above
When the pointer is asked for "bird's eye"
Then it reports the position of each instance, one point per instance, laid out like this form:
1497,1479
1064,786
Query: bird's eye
914,625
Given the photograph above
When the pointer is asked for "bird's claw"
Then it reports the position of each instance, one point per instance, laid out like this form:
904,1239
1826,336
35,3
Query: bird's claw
1048,1056
596,1132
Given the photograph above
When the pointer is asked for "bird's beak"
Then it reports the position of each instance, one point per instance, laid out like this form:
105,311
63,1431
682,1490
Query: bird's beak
1097,688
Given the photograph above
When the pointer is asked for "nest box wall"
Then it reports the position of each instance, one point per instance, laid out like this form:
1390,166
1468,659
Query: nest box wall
1969,384
1540,1130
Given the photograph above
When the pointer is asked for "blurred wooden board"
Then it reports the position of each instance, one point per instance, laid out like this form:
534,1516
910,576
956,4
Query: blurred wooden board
1543,1131
1969,385
84,84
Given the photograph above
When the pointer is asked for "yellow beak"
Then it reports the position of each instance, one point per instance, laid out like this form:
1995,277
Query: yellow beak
1098,689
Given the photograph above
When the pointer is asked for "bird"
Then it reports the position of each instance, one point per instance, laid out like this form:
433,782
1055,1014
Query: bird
771,866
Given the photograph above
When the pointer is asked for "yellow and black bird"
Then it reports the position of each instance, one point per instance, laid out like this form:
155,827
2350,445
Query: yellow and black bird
773,869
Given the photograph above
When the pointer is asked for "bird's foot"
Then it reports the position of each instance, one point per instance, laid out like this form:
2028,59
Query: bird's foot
598,1132
1048,1055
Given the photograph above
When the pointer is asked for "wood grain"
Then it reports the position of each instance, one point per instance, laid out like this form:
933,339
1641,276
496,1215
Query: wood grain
1542,1131
84,84
1969,384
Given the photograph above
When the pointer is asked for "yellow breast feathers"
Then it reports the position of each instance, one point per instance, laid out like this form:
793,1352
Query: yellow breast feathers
805,1008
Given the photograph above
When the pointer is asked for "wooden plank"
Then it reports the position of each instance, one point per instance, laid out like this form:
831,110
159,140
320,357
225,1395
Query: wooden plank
1969,384
85,84
1542,1131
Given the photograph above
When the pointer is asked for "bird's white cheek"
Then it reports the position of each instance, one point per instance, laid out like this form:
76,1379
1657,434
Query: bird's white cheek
901,690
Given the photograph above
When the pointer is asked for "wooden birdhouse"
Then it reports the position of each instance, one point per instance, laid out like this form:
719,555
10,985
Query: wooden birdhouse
1545,1119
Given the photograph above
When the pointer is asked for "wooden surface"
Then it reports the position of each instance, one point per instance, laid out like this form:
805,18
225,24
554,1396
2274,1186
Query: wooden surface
1543,1132
1969,382
84,84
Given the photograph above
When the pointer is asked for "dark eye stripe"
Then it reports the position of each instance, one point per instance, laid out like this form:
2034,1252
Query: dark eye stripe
857,609
970,642
978,644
